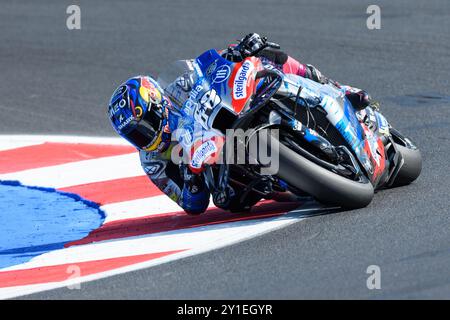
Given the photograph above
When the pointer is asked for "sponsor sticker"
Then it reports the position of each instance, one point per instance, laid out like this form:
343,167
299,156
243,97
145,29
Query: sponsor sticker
202,153
126,122
211,68
297,125
241,79
153,168
116,107
221,74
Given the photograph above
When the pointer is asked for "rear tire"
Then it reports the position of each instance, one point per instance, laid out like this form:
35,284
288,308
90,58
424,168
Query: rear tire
326,186
412,166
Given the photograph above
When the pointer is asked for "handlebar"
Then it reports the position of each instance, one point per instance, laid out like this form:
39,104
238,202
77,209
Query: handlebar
252,44
264,46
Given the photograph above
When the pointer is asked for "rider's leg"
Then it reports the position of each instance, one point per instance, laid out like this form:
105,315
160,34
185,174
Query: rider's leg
360,99
292,66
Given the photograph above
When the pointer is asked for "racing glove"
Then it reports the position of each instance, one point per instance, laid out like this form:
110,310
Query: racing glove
250,43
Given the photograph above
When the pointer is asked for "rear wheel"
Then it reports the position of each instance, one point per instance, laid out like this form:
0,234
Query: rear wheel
412,165
325,185
412,159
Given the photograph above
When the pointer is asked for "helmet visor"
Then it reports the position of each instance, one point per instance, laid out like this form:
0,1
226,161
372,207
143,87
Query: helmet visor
148,129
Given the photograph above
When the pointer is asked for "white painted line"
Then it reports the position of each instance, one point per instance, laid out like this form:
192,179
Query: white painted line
260,227
80,172
142,208
10,145
139,208
196,240
189,238
62,139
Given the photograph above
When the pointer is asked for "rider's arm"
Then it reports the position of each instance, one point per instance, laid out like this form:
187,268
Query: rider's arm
188,192
359,98
290,65
253,43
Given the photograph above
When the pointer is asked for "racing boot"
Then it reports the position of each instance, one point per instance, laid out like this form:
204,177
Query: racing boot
359,99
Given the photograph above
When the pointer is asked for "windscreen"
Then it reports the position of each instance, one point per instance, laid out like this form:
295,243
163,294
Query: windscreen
177,80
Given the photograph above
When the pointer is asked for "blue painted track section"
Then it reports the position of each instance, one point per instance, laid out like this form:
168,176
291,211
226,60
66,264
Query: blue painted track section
36,220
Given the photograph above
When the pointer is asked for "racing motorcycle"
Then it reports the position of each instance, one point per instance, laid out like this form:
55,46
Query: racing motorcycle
324,147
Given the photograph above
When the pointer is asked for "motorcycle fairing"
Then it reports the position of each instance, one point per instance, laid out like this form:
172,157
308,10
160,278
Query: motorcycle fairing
342,116
233,81
220,83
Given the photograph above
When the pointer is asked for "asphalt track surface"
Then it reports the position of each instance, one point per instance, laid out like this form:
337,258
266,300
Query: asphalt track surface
56,81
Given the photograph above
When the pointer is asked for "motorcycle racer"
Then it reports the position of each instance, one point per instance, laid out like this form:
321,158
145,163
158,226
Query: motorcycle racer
142,113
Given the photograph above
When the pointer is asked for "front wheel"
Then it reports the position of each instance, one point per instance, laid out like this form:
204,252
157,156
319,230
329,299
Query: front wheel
326,186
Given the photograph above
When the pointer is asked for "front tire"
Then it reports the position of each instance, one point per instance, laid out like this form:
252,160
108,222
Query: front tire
326,186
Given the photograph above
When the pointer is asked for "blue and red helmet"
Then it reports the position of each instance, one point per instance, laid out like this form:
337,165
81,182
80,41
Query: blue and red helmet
136,112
